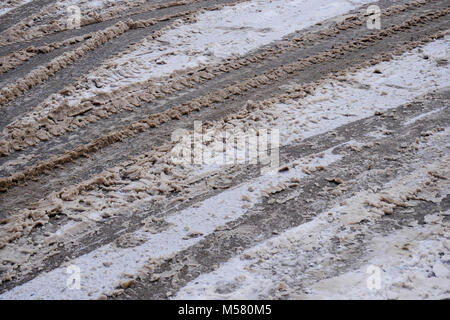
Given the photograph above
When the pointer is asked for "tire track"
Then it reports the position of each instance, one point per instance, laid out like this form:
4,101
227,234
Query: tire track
57,182
42,46
115,227
143,125
79,68
11,18
141,226
228,241
15,111
41,74
144,14
15,59
328,253
140,96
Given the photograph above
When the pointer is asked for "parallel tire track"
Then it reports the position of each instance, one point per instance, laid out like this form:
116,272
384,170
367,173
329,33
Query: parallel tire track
105,107
12,91
156,120
219,243
98,178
